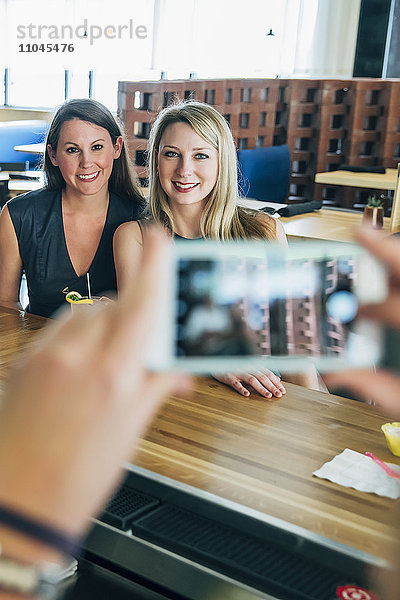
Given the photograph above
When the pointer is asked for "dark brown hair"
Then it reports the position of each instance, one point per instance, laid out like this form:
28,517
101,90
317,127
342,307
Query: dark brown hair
123,180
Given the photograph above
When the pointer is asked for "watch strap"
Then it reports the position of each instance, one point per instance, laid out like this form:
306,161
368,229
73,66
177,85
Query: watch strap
39,531
27,580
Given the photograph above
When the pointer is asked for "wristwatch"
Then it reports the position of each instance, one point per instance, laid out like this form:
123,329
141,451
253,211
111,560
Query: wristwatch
37,580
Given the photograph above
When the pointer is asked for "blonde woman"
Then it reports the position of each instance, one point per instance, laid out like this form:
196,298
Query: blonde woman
194,194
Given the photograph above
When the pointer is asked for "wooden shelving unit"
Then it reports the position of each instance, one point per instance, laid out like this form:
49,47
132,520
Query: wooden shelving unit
324,122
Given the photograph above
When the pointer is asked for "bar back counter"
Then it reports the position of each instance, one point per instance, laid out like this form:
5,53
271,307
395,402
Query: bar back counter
194,545
219,500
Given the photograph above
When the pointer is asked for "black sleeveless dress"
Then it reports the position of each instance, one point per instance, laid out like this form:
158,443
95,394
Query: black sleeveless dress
180,237
38,224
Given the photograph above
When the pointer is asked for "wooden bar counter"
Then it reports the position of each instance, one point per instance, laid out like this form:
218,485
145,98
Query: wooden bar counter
259,453
326,224
377,181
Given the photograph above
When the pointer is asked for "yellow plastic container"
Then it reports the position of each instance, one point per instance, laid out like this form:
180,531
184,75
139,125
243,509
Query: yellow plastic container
392,434
75,298
81,301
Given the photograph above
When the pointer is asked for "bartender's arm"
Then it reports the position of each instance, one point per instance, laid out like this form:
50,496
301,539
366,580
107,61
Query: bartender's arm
72,413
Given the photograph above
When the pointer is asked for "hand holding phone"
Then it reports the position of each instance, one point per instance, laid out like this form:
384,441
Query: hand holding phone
235,306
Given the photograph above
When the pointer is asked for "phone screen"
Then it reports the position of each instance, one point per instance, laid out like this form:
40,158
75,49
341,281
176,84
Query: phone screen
273,304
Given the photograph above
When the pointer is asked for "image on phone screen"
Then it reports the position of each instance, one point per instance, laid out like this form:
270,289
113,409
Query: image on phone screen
274,305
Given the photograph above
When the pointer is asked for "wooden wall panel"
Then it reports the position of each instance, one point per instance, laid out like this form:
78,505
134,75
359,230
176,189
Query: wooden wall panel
325,123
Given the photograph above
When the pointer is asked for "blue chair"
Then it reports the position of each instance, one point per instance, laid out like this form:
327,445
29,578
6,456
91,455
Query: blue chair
264,173
17,133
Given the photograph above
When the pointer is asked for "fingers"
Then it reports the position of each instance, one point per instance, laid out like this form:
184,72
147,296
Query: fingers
270,378
265,383
380,388
385,249
111,342
154,387
144,293
182,385
132,317
236,384
69,340
263,390
385,312
233,381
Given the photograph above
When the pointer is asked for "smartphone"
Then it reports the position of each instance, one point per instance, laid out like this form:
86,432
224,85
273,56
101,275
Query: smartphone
231,306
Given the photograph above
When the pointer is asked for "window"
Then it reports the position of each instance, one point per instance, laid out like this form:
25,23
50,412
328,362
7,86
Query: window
228,96
245,95
370,123
145,101
37,78
244,120
337,121
340,95
367,148
299,166
264,94
168,98
140,158
333,146
209,96
372,96
302,143
141,130
25,91
311,94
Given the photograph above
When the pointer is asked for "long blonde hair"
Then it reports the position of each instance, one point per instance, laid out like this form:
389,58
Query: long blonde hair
222,218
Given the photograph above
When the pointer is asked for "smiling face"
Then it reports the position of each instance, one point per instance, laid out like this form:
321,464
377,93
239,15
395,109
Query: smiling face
187,165
85,156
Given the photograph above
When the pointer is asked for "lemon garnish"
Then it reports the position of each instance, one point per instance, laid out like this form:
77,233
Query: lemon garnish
83,301
73,297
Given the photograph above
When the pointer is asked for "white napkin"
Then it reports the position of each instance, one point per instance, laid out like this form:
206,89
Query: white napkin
355,470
